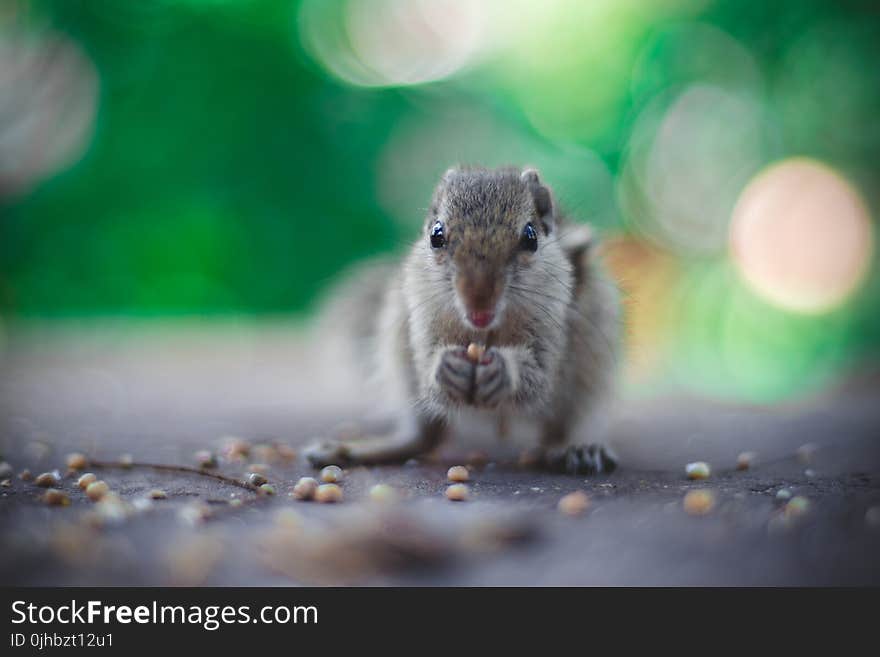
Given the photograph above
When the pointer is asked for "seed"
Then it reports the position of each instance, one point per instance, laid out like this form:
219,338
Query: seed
77,461
699,502
779,523
478,458
109,510
86,479
236,502
6,470
458,473
267,489
235,449
806,452
25,475
305,489
142,504
157,494
574,503
383,493
783,494
285,452
697,470
745,460
332,474
797,506
328,493
6,483
256,479
287,518
264,453
492,534
96,490
55,497
457,493
195,513
206,459
48,480
475,352
126,461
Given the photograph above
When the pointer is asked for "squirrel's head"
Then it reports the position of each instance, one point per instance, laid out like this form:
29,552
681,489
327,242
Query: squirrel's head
492,234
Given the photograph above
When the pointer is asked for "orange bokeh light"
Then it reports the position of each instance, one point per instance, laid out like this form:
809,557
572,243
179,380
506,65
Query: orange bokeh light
801,236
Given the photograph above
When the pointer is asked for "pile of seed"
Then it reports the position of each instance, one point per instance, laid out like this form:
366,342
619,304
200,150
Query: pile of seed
305,489
329,492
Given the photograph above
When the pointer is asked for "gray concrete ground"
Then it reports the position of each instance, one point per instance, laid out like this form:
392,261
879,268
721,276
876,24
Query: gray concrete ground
162,396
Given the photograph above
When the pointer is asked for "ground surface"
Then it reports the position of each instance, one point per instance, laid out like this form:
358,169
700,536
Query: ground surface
163,397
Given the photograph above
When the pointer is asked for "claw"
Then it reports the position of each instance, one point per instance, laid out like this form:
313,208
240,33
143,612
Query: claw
582,459
491,381
455,373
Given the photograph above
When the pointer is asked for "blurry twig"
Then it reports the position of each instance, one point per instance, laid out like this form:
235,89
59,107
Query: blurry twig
232,481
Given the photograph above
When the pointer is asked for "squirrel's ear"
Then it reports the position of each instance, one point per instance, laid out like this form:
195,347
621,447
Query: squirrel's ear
541,197
440,192
448,177
576,239
577,243
449,173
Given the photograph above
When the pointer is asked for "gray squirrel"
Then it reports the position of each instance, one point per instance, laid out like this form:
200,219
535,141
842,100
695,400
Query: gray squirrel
497,266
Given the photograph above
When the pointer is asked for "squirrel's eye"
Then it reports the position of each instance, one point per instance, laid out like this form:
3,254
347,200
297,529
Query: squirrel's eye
438,239
529,239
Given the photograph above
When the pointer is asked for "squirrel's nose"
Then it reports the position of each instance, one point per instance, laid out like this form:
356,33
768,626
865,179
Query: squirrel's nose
478,289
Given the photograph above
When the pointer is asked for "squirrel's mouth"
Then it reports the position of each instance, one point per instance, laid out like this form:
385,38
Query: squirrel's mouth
481,318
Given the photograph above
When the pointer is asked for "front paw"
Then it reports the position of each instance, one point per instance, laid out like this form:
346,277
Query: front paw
492,382
455,374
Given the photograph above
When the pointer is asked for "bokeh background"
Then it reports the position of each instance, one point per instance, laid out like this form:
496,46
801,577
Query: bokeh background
167,159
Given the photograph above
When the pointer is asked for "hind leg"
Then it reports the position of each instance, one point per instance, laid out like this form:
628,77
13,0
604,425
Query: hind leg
588,459
413,437
558,455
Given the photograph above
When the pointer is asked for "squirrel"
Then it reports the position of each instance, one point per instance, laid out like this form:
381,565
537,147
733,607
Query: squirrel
499,266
